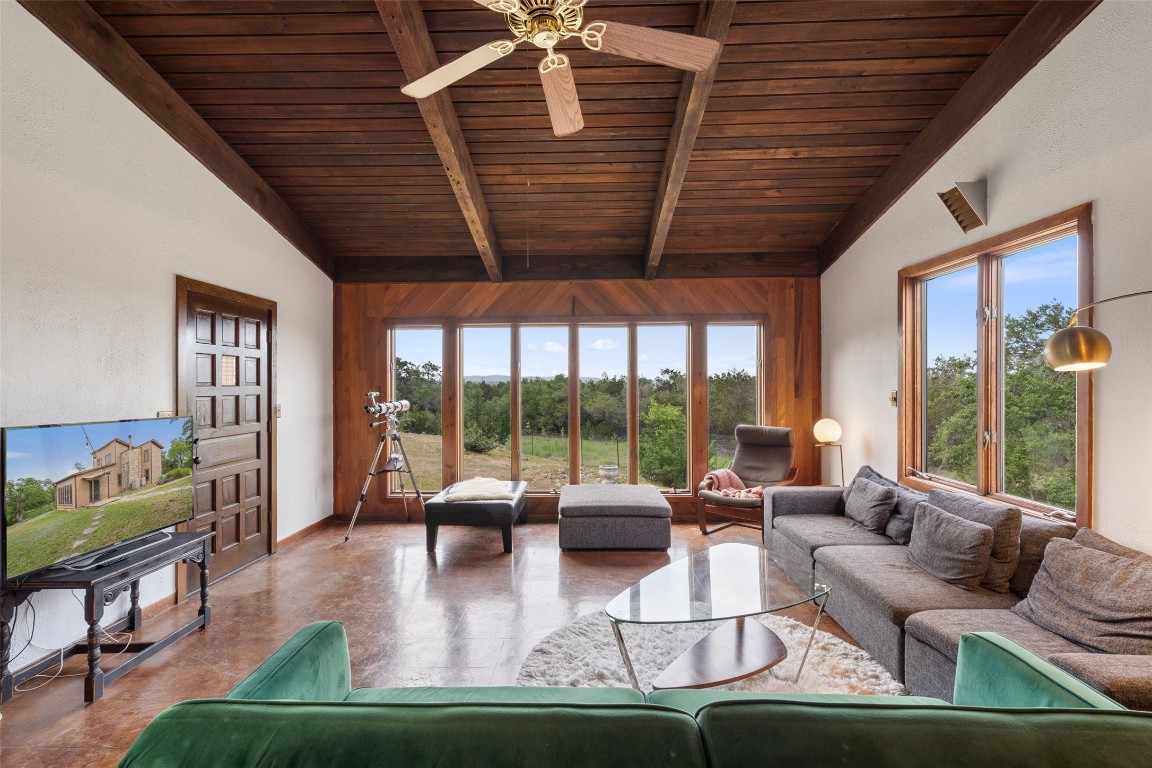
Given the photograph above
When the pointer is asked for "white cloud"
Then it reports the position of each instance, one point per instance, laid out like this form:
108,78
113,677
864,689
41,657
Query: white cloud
603,345
1046,266
643,358
553,347
530,347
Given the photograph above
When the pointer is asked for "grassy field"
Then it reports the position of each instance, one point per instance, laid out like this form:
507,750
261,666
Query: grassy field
51,537
545,461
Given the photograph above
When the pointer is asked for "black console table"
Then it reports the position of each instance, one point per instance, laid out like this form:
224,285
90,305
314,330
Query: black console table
101,586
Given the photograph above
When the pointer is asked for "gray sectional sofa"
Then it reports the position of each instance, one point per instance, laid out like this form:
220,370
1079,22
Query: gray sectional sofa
911,621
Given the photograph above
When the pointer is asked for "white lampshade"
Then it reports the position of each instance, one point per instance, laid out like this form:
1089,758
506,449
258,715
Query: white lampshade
827,431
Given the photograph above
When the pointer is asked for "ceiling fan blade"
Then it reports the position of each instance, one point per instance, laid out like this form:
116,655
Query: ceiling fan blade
454,70
560,93
669,48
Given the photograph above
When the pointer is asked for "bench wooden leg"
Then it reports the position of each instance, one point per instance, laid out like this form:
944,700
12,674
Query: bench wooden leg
430,535
506,532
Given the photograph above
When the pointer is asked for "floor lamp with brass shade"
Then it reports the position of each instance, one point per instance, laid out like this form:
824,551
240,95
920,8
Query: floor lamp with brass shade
1079,347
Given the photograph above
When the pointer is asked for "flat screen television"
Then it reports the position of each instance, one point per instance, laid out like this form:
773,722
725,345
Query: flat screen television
78,496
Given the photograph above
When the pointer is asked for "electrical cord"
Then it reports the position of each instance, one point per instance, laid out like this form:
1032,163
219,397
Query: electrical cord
112,637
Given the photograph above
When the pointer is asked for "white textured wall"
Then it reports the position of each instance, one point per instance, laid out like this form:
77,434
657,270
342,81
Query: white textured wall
1076,129
99,211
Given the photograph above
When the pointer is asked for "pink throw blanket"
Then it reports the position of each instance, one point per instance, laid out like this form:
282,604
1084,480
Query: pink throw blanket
726,483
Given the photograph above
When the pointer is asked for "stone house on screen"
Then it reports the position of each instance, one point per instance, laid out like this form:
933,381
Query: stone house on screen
116,467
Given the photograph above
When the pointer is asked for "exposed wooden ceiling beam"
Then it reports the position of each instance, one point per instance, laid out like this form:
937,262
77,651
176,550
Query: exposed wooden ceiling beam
404,21
715,16
85,32
1032,39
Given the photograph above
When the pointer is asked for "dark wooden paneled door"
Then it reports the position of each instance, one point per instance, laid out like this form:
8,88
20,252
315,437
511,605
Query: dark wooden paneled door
226,365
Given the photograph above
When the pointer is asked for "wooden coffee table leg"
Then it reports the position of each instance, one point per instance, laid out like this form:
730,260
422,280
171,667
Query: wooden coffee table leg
624,655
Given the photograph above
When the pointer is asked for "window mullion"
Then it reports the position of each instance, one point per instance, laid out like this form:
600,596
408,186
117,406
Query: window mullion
989,354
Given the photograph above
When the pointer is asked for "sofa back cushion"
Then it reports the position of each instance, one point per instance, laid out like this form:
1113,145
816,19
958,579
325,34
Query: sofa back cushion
951,548
1096,599
899,527
1086,537
1003,519
835,734
1035,533
870,504
289,734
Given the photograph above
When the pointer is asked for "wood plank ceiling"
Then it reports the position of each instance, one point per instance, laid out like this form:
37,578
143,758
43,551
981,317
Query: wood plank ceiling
811,103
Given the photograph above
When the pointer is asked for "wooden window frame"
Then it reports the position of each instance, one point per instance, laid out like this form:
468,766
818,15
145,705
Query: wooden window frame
987,253
696,374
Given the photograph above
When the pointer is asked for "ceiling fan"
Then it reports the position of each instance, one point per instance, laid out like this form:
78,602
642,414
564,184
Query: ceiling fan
545,23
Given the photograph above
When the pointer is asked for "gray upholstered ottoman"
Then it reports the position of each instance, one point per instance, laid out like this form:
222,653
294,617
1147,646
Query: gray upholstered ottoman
614,517
501,512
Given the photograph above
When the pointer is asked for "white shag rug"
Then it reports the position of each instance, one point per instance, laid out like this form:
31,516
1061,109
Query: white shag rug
584,654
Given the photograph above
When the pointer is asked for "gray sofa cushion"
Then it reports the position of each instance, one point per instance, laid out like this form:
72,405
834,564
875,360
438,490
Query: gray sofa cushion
810,532
1035,533
1097,599
942,630
1003,519
951,548
870,504
887,580
1122,677
899,527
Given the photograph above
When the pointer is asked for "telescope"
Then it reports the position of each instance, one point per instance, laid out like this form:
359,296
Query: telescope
388,408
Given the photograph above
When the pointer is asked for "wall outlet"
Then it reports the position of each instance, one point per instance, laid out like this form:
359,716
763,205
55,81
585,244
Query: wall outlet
893,398
278,413
165,414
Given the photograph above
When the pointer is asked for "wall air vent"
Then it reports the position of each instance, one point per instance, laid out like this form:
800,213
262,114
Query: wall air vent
968,203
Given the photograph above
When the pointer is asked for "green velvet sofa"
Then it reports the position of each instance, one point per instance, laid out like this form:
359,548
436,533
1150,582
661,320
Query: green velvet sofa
298,709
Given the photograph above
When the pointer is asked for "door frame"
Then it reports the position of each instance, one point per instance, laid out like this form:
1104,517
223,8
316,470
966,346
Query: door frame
185,343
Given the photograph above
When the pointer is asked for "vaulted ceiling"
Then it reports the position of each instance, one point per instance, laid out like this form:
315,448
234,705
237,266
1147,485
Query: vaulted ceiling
817,118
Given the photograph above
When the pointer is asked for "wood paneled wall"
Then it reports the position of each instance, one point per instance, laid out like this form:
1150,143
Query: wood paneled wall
789,309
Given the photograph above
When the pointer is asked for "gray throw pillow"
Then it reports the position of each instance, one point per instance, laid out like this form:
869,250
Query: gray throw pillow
1003,519
870,504
1096,599
950,548
899,527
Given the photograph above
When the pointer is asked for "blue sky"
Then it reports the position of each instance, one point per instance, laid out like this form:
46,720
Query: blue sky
48,453
1032,277
603,349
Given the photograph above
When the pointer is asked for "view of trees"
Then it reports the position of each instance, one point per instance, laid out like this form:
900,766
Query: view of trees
604,405
179,453
1039,441
28,497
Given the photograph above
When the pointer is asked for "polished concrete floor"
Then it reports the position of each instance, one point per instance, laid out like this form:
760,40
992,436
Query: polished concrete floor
467,615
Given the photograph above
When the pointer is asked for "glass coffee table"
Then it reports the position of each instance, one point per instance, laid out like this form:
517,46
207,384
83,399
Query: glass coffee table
727,581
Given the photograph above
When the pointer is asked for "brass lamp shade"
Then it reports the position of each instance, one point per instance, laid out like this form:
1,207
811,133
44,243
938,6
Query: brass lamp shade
1077,348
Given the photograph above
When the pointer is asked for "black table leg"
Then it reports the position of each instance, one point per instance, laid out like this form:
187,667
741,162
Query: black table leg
430,536
506,532
93,612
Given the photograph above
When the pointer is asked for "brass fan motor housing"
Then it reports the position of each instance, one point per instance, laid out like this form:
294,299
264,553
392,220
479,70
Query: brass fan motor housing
546,22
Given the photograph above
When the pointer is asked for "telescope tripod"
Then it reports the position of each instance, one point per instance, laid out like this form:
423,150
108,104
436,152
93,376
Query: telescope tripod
397,462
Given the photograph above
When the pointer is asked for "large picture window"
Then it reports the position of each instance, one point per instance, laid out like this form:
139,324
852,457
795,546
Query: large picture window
982,412
733,387
544,407
486,388
662,364
603,404
553,403
417,368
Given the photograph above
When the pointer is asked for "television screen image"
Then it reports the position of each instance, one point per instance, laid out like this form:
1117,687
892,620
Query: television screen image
73,490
